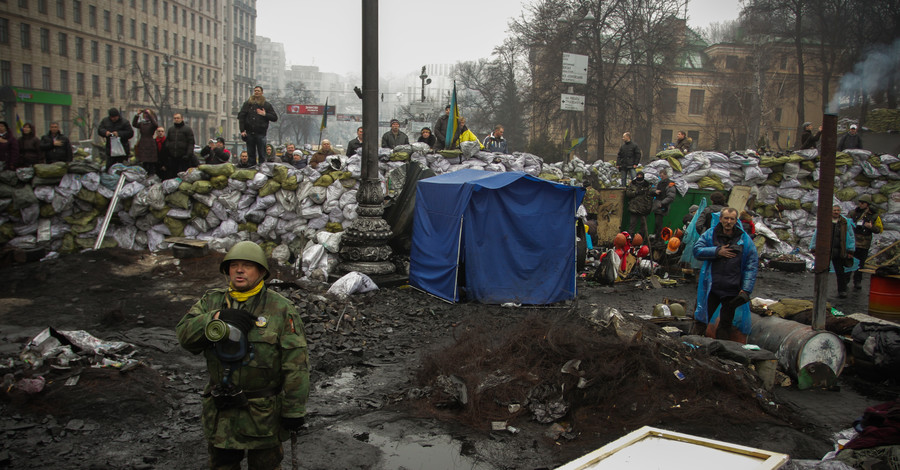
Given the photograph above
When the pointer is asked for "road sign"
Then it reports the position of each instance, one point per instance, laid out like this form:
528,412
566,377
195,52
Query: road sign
574,68
571,102
309,109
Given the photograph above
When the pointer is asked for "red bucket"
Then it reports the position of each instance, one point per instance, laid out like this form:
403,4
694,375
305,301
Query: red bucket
884,298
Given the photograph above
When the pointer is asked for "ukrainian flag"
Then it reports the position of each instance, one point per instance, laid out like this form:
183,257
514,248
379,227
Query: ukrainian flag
325,115
453,121
19,123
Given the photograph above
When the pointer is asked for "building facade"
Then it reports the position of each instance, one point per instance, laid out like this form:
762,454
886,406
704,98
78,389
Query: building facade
71,60
240,32
270,64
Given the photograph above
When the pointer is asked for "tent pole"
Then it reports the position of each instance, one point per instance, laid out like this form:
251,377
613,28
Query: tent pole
458,249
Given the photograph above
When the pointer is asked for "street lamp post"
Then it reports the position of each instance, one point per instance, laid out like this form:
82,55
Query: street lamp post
165,101
425,81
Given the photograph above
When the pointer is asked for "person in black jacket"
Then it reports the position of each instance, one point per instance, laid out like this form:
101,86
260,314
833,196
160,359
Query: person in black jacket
179,146
640,201
214,153
253,120
808,140
440,129
427,137
850,140
114,126
628,159
56,146
356,143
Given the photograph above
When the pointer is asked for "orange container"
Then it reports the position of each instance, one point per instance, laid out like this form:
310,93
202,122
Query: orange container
884,298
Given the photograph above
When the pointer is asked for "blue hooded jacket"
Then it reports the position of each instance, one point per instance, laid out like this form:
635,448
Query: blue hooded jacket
850,245
705,250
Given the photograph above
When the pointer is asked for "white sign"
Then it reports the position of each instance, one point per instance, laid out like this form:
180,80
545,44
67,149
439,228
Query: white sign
572,102
574,68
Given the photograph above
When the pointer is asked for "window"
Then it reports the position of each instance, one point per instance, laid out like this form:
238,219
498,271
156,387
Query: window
61,9
731,62
174,12
29,112
165,9
120,25
110,88
201,25
146,62
184,73
133,58
155,37
95,52
106,20
122,57
45,79
156,64
783,64
775,136
665,137
23,4
123,90
184,17
193,47
133,93
45,40
64,81
95,85
132,29
165,39
155,7
79,48
184,44
92,16
144,33
144,6
63,44
193,21
109,55
669,100
723,142
695,139
5,72
25,34
48,115
696,104
42,6
76,11
777,114
26,75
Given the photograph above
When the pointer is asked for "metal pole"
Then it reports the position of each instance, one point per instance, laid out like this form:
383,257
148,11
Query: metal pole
370,88
110,210
823,218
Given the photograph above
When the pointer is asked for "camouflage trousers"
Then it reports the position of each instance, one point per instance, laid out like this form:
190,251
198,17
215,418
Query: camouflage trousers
257,459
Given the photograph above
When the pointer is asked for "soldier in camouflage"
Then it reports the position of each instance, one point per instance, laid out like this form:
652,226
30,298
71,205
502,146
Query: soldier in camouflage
272,378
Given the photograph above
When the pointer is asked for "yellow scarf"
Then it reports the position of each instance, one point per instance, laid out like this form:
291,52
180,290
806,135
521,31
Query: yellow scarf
243,296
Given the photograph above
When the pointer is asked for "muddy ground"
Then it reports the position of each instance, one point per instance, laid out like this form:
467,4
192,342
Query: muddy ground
380,363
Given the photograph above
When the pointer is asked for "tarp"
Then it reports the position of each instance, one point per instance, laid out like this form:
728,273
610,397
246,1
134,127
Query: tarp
502,237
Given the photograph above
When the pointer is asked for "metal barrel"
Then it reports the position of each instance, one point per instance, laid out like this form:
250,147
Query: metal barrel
797,345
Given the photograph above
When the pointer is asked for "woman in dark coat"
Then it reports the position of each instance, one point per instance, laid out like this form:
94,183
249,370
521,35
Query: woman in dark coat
9,147
146,149
29,147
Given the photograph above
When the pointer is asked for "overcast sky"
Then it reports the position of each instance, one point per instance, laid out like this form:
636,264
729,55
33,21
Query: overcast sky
412,33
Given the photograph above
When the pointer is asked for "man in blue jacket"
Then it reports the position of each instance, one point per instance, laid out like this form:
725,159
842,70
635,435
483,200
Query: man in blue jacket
730,264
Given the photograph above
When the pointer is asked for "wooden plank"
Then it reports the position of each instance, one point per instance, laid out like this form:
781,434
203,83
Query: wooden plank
739,196
609,214
187,241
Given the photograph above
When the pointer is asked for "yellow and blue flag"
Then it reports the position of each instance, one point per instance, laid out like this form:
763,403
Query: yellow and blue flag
325,115
453,121
19,123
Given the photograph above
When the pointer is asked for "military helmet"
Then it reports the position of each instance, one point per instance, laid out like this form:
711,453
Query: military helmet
677,310
246,251
867,198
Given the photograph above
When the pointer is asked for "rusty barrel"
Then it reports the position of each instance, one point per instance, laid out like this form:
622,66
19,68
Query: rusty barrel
797,345
884,298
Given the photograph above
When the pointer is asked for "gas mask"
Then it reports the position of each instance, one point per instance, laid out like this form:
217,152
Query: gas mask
229,337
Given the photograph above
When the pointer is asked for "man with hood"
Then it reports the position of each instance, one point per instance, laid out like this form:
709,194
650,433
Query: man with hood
865,223
253,121
808,140
843,246
663,196
727,277
640,202
114,126
257,360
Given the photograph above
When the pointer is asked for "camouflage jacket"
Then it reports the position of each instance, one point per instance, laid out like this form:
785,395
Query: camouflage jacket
279,362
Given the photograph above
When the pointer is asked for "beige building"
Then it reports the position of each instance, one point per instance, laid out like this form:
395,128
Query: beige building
72,60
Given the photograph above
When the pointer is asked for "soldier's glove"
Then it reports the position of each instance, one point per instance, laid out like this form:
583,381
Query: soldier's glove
293,424
242,319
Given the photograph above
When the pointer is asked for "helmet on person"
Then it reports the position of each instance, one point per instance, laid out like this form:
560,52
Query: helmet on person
673,245
619,241
867,198
638,240
643,251
665,234
678,233
245,251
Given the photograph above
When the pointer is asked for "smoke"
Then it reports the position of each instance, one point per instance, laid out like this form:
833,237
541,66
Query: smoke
870,75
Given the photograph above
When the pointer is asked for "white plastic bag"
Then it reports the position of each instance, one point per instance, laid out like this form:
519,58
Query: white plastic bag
352,283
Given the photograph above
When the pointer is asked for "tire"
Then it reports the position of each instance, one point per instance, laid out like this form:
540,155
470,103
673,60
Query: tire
788,266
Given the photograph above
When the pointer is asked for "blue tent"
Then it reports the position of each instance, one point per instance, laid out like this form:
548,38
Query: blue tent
503,237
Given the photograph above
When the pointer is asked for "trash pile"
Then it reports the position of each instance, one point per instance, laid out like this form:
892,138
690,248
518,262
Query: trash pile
786,189
299,214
